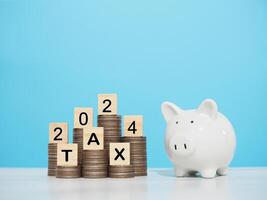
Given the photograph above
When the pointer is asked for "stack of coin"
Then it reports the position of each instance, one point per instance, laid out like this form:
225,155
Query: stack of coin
78,139
121,171
138,154
112,128
68,172
52,159
95,163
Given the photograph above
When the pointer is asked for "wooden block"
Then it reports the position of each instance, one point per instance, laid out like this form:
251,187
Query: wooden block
119,153
83,117
107,104
58,132
93,138
133,125
67,155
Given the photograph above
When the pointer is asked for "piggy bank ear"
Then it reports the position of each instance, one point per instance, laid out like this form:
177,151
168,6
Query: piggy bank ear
208,107
169,110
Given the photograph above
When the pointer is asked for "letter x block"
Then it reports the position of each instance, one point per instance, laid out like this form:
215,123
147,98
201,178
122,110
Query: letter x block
119,153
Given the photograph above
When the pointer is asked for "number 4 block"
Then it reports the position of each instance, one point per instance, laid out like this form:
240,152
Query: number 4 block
133,125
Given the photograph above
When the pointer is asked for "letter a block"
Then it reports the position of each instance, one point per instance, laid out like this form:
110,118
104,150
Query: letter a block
67,155
119,153
93,138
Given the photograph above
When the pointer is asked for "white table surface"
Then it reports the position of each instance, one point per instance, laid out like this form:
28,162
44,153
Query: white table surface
32,183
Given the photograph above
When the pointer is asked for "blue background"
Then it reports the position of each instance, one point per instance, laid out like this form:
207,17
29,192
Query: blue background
55,55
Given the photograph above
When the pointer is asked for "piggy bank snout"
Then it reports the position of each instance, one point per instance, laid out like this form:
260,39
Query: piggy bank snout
182,145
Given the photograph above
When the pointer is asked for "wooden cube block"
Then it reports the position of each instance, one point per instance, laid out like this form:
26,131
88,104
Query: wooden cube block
107,104
67,154
119,153
93,138
83,117
58,132
133,125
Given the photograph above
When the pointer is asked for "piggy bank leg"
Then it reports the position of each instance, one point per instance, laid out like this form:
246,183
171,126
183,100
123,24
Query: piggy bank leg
208,173
222,171
180,172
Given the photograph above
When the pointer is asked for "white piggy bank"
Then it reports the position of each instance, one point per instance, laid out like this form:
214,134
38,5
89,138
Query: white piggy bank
201,140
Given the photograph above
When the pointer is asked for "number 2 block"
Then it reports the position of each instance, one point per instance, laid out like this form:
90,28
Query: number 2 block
107,104
83,117
58,132
133,125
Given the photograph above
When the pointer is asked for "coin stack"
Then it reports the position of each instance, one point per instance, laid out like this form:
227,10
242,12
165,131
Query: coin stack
138,156
68,171
121,171
78,139
52,159
95,163
112,128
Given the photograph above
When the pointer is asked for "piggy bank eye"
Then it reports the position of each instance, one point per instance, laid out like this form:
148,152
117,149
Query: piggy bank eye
176,122
192,121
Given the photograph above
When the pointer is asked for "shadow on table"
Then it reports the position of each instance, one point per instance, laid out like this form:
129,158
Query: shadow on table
218,188
170,173
165,172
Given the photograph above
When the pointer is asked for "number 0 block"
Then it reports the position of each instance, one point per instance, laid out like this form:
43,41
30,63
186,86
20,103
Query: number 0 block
107,104
58,132
119,153
83,117
93,138
133,125
67,155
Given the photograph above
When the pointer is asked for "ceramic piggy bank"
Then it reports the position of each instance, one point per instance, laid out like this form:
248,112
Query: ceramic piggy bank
201,140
